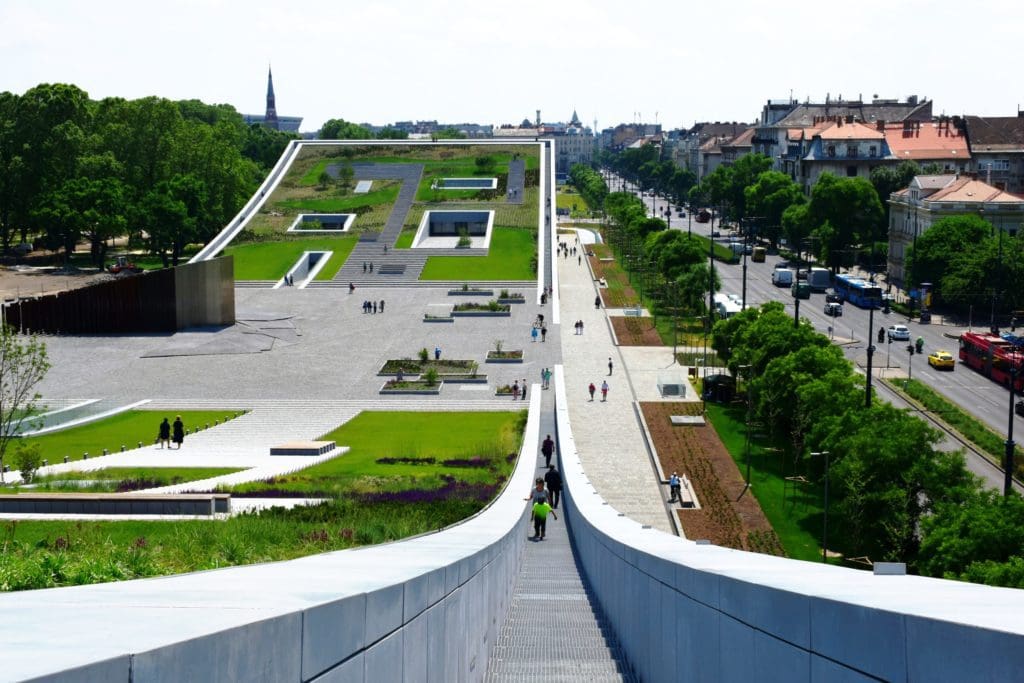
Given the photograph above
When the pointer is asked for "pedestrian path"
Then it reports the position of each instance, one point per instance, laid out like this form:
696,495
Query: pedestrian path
608,434
554,629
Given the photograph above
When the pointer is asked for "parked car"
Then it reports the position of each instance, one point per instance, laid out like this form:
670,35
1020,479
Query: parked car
899,333
831,296
1019,408
942,360
833,309
782,277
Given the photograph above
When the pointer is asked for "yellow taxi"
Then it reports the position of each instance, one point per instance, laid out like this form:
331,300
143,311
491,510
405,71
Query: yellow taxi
942,360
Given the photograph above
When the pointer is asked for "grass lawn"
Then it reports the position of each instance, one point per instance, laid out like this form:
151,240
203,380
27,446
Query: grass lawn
797,520
572,201
348,202
509,258
380,506
412,435
271,260
120,479
127,428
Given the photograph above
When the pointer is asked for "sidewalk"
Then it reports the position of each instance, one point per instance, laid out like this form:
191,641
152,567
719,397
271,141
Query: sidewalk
607,433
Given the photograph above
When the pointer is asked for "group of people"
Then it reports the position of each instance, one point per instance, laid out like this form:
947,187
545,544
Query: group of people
604,390
371,306
518,391
168,432
545,378
545,500
367,266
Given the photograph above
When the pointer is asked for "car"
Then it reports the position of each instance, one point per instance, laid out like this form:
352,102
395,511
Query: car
716,233
833,309
1019,408
23,249
833,297
899,333
943,360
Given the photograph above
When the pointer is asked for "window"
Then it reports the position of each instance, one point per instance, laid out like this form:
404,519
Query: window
851,151
872,151
851,171
831,151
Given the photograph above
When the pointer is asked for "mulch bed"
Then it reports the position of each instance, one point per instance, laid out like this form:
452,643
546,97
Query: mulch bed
698,453
636,331
611,272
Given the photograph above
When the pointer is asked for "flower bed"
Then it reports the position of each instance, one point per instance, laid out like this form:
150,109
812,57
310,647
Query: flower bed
464,378
473,307
515,356
506,297
471,292
411,386
415,366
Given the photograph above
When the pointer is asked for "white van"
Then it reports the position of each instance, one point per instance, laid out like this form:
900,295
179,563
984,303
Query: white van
782,277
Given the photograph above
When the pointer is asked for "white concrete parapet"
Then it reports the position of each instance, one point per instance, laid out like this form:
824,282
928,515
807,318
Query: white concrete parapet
428,608
686,610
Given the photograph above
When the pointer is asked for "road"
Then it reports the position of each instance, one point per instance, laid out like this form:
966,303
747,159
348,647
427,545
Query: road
979,396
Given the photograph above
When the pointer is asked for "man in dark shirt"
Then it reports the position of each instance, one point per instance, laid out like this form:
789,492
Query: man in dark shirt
548,449
554,482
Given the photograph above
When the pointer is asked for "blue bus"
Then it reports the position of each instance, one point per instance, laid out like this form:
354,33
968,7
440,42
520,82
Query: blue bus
858,291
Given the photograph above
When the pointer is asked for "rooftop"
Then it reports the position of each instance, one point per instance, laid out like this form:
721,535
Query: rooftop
926,140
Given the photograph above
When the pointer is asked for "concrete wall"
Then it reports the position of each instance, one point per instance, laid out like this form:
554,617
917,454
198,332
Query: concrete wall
689,611
429,608
205,292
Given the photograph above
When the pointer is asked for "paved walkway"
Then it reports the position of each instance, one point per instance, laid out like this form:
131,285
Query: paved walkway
554,630
608,435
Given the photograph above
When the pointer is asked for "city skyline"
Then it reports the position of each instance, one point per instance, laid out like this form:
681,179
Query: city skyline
383,62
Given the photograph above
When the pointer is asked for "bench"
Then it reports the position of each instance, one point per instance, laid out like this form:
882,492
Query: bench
198,504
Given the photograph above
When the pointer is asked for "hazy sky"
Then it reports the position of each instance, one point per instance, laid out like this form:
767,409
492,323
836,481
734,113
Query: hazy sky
380,61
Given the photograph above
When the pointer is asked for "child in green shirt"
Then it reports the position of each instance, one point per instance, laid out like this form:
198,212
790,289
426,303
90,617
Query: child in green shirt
540,517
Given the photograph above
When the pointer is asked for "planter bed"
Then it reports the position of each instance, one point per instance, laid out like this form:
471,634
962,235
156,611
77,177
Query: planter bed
438,319
481,314
416,387
414,366
505,358
512,300
470,292
464,379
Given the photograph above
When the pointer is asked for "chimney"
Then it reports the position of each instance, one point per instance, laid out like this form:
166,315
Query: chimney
880,125
538,118
912,100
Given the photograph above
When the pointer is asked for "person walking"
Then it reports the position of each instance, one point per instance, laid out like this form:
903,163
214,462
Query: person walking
604,391
364,266
547,449
610,366
540,518
522,389
179,431
382,305
675,487
591,389
543,334
371,266
437,353
543,378
164,434
374,304
533,334
597,301
579,260
581,327
515,390
554,482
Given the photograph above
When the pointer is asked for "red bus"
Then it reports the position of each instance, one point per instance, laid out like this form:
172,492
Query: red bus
993,357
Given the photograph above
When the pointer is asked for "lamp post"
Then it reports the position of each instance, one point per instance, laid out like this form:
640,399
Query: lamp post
1008,457
743,306
871,353
910,364
824,518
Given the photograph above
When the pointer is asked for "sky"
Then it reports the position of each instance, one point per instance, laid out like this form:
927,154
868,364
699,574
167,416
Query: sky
379,61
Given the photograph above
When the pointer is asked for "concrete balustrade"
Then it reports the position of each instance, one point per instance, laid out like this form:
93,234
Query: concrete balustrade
425,608
690,611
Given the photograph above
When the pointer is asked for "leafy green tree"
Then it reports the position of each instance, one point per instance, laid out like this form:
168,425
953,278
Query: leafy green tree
693,283
392,133
939,257
889,179
484,163
590,184
852,211
769,198
346,176
340,129
265,146
23,364
449,133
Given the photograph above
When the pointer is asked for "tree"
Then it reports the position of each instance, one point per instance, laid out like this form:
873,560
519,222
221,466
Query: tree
449,133
889,179
852,210
674,252
346,176
769,198
938,255
23,364
340,129
484,163
392,133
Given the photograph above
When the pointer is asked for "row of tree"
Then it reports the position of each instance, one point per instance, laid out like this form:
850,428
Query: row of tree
590,184
165,174
896,497
644,168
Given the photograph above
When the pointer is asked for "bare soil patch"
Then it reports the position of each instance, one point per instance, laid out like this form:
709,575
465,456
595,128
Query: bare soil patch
635,331
698,453
21,282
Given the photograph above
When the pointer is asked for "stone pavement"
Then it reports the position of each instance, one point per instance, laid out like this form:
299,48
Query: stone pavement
608,435
554,629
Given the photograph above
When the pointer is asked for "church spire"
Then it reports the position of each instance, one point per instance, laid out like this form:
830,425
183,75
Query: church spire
270,119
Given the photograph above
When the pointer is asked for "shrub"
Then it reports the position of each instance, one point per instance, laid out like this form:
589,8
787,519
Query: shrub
424,355
27,458
430,377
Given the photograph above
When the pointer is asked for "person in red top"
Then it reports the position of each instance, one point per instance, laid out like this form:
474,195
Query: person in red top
591,389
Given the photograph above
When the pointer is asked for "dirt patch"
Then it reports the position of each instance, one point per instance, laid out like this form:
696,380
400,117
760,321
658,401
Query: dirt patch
698,453
21,282
636,331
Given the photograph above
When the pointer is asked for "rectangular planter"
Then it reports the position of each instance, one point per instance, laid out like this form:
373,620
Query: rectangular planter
481,314
489,359
470,292
454,379
411,392
439,319
510,300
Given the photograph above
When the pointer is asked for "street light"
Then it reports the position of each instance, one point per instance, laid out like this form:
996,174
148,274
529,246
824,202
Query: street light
824,519
1008,458
871,353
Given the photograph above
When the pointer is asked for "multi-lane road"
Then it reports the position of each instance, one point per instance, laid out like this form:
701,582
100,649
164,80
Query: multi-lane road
986,400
